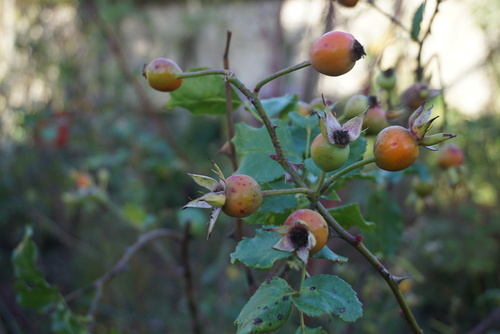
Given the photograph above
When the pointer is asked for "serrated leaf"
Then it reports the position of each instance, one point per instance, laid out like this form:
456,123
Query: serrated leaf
327,254
383,210
202,95
417,21
274,209
268,309
328,294
254,146
41,297
349,216
280,105
308,330
307,122
258,252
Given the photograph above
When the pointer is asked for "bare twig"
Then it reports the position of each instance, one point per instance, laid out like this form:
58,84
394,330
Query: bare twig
491,320
229,106
419,71
98,284
389,16
188,279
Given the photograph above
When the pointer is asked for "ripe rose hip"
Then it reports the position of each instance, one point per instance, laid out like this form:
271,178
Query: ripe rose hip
161,74
243,196
348,3
450,156
335,53
376,118
304,233
316,225
395,148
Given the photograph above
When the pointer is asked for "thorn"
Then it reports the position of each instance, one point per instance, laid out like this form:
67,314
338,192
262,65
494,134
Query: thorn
358,240
274,157
399,279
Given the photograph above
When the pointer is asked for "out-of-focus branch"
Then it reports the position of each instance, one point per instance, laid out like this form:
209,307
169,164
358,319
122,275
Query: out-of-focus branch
117,52
99,284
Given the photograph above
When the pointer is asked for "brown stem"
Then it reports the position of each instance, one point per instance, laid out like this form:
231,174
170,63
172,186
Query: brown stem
229,106
419,71
389,16
232,153
99,284
150,109
188,279
491,320
354,241
391,280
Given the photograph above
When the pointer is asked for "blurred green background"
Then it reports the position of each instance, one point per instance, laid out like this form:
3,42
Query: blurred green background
90,158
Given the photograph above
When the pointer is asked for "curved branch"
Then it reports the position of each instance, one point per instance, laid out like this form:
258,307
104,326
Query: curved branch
99,283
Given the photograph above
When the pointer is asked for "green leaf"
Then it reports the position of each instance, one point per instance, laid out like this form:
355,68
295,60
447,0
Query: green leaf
268,309
41,297
350,215
202,95
328,294
135,214
417,21
24,257
308,330
35,292
258,252
383,210
327,254
280,105
254,147
268,217
274,209
307,122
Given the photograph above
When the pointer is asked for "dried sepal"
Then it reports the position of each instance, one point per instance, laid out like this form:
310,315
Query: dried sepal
213,218
429,141
336,133
354,125
285,245
295,239
218,171
197,203
420,123
215,199
206,181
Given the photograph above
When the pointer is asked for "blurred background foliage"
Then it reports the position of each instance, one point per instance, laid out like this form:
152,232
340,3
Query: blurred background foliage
90,159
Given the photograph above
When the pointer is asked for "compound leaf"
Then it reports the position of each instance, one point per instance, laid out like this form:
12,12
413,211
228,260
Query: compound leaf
202,95
258,252
254,147
268,309
328,294
350,215
383,210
